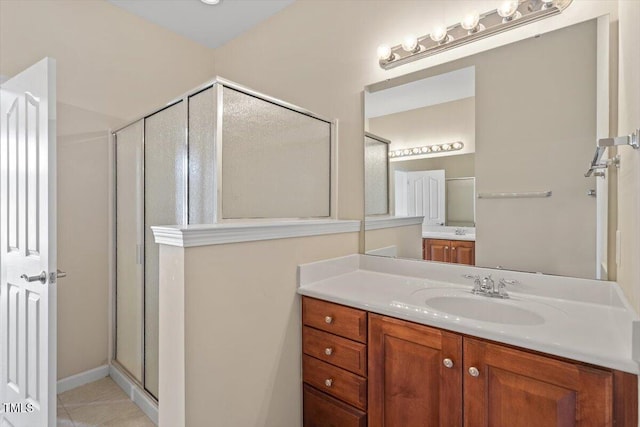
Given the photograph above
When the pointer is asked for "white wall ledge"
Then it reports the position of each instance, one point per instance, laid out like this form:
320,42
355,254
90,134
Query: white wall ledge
188,236
379,222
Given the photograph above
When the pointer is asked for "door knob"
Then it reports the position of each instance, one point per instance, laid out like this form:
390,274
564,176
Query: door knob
42,278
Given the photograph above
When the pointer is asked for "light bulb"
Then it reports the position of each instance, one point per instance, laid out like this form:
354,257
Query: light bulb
439,34
457,145
435,148
410,43
406,152
470,21
546,4
425,149
384,52
508,9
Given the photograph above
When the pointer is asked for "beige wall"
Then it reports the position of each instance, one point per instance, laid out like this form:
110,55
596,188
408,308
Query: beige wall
457,166
242,330
436,124
629,173
538,139
111,67
407,240
83,205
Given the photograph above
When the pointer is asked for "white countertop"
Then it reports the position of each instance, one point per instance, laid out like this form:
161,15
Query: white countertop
448,232
448,236
584,320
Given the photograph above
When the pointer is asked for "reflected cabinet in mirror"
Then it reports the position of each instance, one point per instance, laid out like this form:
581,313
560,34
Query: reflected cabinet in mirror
481,160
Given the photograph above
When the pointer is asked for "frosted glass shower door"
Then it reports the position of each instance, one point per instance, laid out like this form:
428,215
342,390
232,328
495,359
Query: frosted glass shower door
376,176
129,238
276,162
164,204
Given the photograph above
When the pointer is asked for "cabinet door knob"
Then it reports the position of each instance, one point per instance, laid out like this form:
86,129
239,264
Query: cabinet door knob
473,371
328,382
448,363
328,319
446,247
328,351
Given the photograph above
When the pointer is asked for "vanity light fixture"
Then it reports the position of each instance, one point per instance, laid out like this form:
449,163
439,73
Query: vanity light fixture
410,44
471,23
421,151
508,10
473,26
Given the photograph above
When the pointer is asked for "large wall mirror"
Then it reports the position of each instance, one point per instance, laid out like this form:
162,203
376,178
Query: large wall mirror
481,160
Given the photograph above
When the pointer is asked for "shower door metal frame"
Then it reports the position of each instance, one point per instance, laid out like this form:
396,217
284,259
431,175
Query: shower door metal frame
217,84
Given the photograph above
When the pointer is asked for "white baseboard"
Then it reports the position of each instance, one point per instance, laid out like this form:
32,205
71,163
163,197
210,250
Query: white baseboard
137,395
82,378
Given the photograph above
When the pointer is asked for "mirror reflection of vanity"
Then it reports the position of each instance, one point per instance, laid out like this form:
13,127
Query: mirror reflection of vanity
486,156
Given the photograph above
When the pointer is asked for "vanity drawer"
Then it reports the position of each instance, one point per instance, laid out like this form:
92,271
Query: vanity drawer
337,382
340,320
344,353
321,410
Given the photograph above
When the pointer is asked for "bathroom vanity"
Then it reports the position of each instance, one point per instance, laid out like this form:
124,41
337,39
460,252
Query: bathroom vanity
398,342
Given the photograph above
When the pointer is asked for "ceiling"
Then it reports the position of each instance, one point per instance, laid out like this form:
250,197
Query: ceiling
209,25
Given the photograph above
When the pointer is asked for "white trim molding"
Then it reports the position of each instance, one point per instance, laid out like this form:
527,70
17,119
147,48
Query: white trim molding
86,377
135,393
376,223
187,236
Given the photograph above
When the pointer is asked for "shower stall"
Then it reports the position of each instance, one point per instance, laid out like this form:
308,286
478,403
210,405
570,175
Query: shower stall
218,154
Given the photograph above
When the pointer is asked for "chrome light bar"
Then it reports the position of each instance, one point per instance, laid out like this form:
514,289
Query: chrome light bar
490,23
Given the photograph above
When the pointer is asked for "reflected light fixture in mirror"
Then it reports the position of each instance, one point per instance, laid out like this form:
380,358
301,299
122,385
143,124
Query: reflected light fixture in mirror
473,26
425,150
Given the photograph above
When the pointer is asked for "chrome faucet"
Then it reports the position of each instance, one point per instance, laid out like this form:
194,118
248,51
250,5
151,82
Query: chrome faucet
487,286
460,231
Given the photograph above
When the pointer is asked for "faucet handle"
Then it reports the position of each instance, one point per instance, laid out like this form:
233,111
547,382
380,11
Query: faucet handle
488,283
505,282
477,282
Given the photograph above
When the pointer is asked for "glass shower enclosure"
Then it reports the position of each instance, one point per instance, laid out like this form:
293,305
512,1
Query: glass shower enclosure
220,153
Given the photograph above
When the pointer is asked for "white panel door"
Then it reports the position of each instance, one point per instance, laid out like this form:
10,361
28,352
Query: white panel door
426,196
401,187
28,248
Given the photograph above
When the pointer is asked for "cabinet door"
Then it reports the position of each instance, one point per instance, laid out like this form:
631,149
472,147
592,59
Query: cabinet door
437,250
516,388
409,385
463,252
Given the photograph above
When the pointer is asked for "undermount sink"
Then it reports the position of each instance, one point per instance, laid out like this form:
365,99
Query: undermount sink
485,309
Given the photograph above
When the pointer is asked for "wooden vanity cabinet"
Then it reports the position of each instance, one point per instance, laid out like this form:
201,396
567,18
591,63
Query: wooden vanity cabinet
515,387
424,376
453,251
408,383
334,364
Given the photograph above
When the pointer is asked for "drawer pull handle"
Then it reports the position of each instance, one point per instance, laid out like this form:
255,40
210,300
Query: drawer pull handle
448,363
473,371
328,351
328,319
328,382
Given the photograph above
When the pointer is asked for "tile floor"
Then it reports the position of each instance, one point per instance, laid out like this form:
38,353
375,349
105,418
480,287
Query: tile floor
100,403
